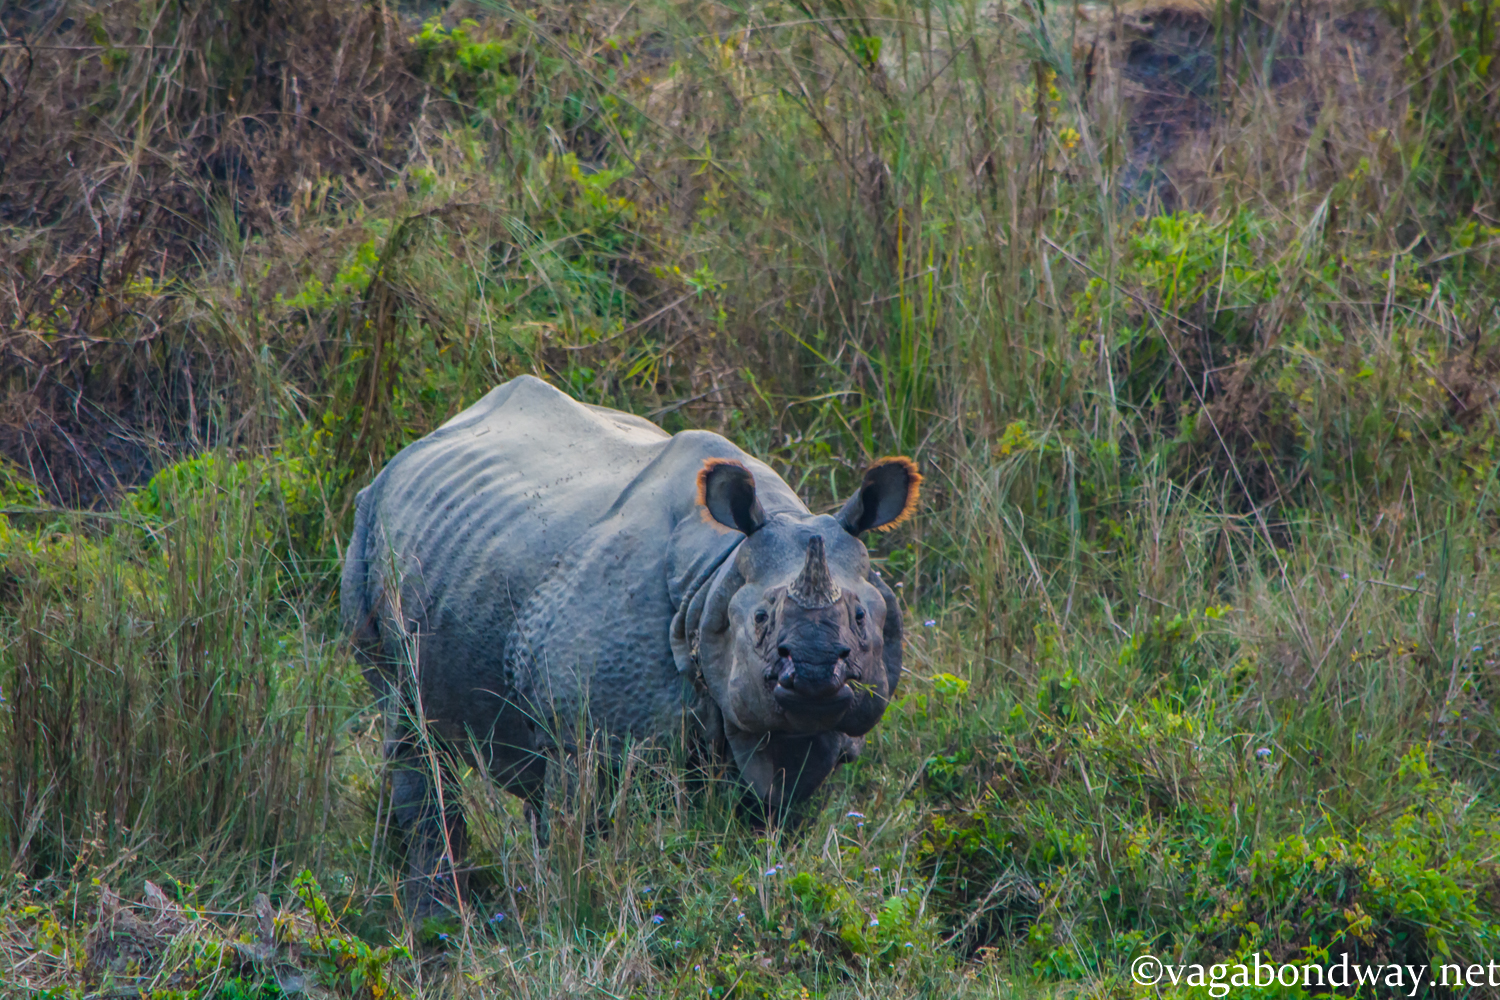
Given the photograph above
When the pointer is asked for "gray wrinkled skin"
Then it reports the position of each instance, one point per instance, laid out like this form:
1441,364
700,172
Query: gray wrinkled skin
536,567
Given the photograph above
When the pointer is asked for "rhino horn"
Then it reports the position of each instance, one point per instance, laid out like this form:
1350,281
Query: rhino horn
814,586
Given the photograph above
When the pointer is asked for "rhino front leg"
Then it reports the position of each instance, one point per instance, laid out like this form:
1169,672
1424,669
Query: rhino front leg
430,821
783,770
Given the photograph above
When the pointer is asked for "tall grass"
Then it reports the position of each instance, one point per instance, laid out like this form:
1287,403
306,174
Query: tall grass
164,697
1200,364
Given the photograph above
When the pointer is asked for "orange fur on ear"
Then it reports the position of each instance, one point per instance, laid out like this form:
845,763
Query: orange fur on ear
913,491
710,464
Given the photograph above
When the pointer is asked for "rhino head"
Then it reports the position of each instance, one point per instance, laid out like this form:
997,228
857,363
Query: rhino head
800,643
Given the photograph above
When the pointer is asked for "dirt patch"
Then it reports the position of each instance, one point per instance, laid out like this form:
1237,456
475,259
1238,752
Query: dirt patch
1194,77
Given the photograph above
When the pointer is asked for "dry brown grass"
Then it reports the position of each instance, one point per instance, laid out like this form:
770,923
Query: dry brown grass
138,147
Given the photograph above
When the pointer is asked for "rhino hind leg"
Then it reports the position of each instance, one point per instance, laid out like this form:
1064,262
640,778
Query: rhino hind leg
431,826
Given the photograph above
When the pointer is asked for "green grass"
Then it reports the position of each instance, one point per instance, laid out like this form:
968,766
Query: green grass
1202,615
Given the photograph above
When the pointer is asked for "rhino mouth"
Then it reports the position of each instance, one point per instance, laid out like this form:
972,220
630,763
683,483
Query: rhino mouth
821,706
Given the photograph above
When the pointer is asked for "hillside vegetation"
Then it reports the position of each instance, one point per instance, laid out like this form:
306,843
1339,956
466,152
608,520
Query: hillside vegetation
1188,314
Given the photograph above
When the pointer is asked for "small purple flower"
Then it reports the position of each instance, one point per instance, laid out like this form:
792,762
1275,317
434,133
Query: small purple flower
657,918
1263,753
854,815
497,920
929,623
1343,576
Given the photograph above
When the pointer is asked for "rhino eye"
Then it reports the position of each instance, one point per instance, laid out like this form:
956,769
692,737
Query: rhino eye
761,616
859,614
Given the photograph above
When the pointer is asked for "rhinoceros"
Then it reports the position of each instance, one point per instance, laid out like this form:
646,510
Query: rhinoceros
537,566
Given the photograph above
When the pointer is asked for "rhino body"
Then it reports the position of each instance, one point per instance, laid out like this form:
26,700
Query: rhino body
537,567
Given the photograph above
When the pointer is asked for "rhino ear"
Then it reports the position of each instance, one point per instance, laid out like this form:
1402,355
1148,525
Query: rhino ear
887,497
726,491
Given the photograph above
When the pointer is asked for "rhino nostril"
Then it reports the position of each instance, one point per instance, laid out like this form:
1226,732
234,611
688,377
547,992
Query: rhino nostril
844,652
783,652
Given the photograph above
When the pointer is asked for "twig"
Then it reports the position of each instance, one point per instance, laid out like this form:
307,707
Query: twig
634,326
1394,586
691,399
